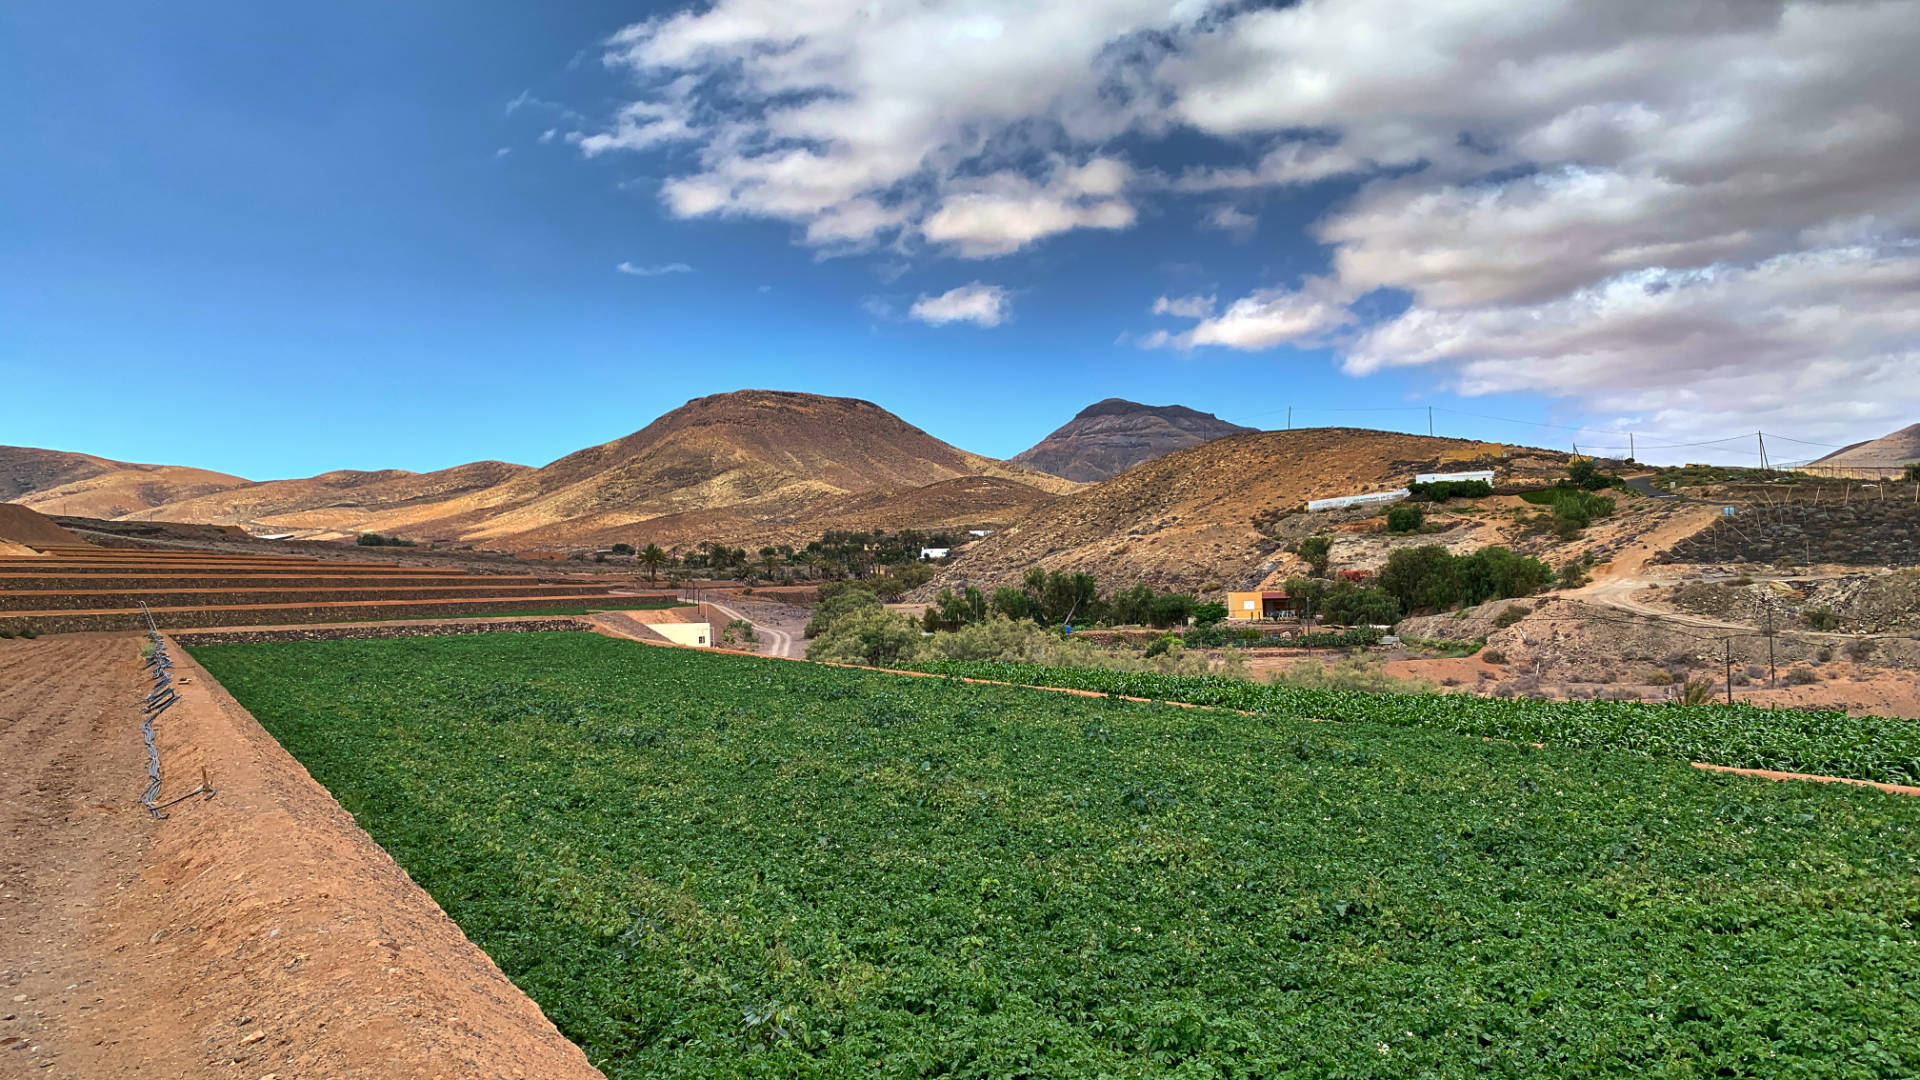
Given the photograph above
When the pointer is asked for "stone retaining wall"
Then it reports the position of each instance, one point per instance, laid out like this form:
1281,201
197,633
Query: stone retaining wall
372,631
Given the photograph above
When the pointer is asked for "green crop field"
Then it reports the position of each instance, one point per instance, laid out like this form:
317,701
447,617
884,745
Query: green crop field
717,866
1823,742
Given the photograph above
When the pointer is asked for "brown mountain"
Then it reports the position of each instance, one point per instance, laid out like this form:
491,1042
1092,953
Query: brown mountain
1109,437
1186,519
82,485
1900,448
741,467
344,501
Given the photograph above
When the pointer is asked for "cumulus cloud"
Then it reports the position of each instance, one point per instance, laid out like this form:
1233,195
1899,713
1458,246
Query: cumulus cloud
1534,184
1267,318
1819,343
660,270
1004,212
982,305
861,122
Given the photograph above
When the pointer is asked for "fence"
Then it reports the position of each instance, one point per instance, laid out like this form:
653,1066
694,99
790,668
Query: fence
162,698
1853,472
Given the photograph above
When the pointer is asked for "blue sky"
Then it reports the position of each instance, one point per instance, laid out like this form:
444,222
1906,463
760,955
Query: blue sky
275,241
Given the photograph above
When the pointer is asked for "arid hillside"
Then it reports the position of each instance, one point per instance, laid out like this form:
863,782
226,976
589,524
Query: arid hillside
342,501
744,467
1109,437
25,532
1898,448
57,482
1187,519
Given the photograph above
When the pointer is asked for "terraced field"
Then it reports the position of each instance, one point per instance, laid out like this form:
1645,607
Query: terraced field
711,865
82,588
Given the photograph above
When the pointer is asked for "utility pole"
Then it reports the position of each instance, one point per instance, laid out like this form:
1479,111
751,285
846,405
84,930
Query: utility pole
1763,450
1631,456
1429,421
1289,418
1729,671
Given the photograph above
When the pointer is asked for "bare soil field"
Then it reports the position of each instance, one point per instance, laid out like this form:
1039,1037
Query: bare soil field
260,933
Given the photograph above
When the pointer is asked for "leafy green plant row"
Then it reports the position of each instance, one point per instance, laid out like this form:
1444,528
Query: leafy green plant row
1829,743
715,866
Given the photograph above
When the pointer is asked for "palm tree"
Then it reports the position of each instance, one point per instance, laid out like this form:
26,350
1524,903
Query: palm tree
653,559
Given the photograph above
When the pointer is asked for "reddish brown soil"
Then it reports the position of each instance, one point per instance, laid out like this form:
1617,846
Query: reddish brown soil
258,934
29,528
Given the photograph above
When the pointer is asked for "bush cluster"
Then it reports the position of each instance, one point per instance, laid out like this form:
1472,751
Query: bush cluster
1442,490
1431,578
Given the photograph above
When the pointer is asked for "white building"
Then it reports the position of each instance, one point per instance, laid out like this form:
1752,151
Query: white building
934,553
1343,501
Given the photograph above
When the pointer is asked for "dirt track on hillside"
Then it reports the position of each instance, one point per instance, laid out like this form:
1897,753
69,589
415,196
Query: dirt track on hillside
261,933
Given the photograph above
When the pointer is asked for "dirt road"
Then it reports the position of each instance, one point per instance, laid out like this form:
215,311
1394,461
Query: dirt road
779,625
261,933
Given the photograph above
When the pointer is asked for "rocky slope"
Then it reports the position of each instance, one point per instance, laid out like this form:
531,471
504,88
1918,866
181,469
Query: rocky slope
1109,437
1188,519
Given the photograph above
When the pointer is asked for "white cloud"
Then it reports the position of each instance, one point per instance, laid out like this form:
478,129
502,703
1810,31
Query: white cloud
1263,320
1820,344
1004,212
874,118
1185,307
1231,219
549,135
1517,169
503,151
660,270
982,305
640,125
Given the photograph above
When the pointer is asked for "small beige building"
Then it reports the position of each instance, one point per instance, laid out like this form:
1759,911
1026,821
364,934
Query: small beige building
680,625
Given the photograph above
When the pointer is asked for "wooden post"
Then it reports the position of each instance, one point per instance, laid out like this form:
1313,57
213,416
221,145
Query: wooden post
1729,671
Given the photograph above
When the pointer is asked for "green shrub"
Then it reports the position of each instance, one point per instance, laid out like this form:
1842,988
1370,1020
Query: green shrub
1442,490
839,599
1209,613
1820,618
1585,474
1162,645
1316,550
1405,519
1430,578
1802,675
1352,673
867,634
1573,574
1493,656
1513,614
1696,692
1172,609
